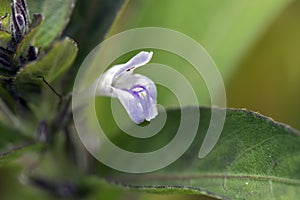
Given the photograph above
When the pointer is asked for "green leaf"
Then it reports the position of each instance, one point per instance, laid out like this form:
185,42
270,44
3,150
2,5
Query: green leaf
9,137
16,151
56,14
5,8
227,29
6,115
26,41
5,37
99,189
57,60
254,158
13,144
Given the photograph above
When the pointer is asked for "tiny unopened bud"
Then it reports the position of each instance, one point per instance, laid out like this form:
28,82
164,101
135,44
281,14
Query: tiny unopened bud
43,132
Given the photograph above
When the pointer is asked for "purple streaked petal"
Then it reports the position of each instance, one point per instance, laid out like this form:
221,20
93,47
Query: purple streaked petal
138,103
131,104
127,81
147,95
145,99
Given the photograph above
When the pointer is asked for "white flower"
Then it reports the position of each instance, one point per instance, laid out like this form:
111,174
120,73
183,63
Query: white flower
137,93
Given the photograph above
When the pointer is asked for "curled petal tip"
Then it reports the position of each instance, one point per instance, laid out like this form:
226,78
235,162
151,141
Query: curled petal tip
139,59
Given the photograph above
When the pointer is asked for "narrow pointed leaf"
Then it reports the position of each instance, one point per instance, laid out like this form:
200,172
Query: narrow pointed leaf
26,41
14,152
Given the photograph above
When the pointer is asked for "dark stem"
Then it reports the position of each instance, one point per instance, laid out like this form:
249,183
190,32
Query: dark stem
53,90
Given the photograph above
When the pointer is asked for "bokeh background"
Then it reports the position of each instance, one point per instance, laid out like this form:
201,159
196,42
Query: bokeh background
255,44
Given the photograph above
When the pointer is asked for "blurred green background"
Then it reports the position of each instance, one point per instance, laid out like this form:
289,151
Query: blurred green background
255,44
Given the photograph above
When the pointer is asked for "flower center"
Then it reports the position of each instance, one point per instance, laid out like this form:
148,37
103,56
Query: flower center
142,95
140,92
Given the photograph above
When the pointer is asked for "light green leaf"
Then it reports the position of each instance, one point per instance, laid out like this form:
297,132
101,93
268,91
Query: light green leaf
5,37
57,60
56,14
5,8
254,158
26,41
16,151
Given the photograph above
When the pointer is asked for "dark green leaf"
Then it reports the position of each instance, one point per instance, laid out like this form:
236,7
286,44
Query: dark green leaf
56,14
254,158
100,189
9,137
13,144
6,115
50,66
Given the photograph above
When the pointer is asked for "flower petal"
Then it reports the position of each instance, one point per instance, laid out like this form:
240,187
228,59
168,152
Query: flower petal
131,104
107,79
138,60
145,99
137,93
147,92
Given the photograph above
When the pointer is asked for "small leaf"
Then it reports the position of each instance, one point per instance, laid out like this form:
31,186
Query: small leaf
6,115
54,63
26,41
13,144
5,37
254,158
5,8
9,137
12,154
56,14
100,189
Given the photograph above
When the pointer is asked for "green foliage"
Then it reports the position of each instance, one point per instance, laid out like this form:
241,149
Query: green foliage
5,8
254,158
14,145
26,41
56,13
4,37
57,60
12,154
